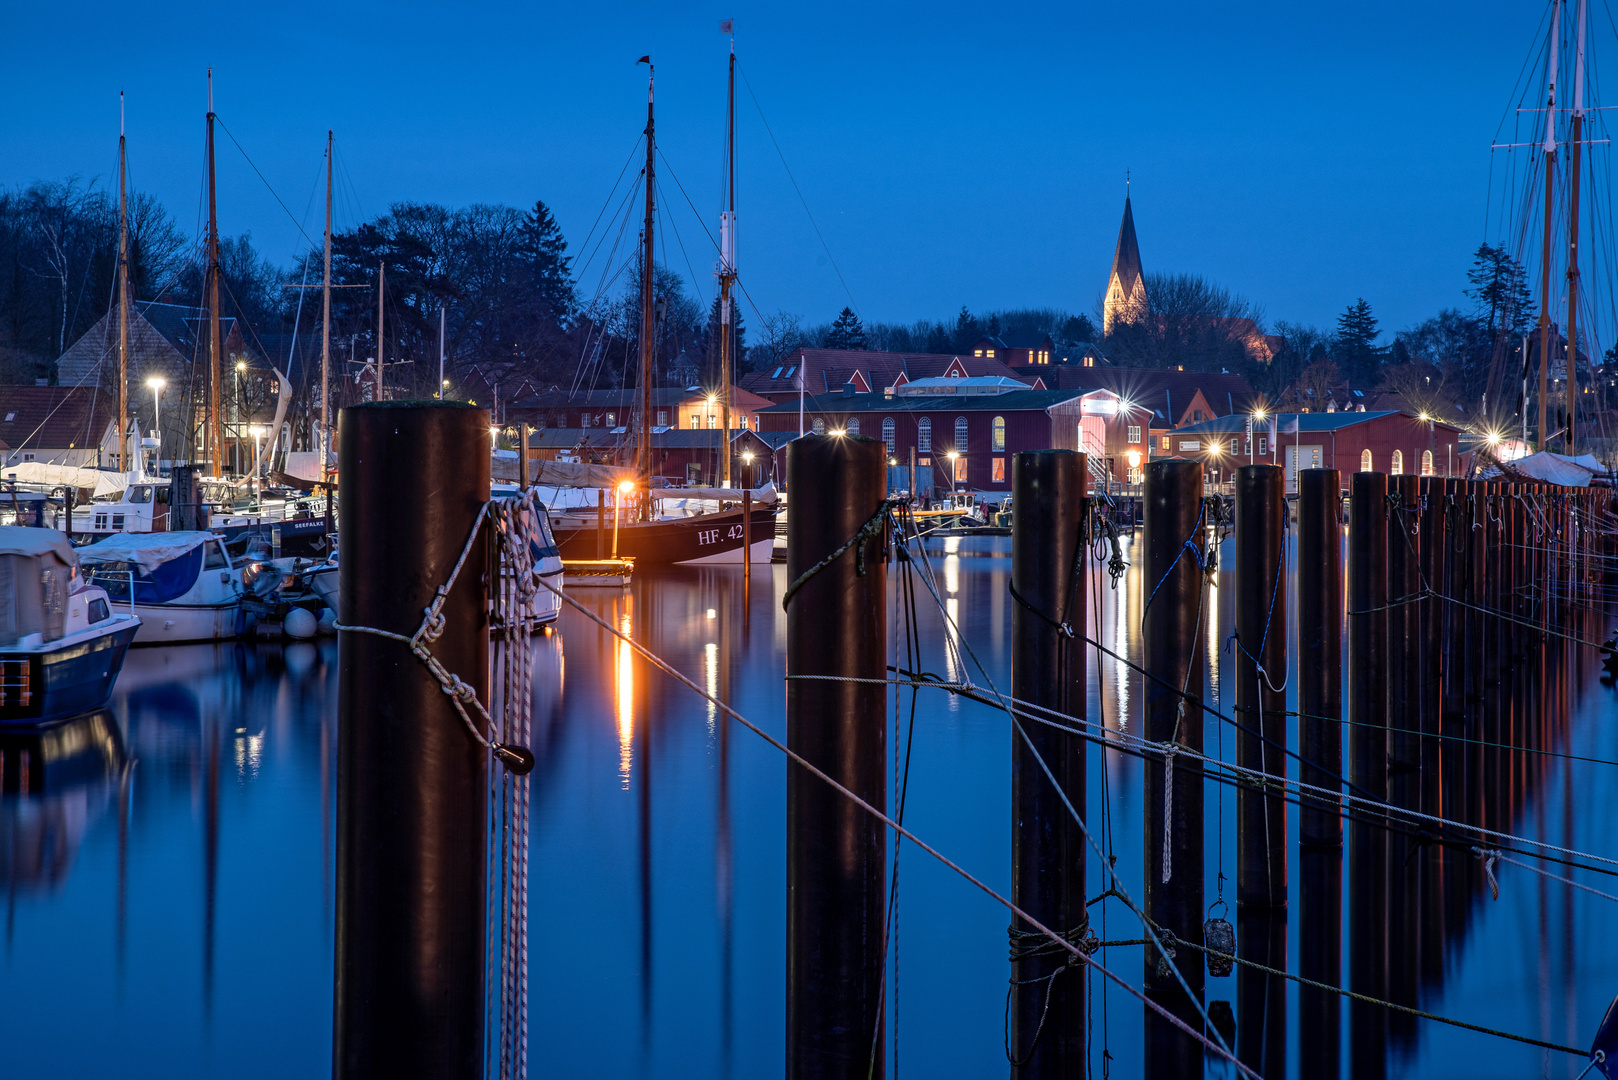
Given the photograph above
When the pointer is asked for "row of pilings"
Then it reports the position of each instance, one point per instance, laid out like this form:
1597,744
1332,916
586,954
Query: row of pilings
1461,606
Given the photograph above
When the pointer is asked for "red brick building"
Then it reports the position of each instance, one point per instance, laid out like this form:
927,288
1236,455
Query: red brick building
1390,442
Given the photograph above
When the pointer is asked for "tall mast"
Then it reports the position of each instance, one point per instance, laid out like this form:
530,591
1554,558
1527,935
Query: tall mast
381,291
1545,257
644,466
215,436
727,273
123,295
325,327
1573,238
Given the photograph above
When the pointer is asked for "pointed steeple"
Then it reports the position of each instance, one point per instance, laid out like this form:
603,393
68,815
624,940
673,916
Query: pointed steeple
1126,286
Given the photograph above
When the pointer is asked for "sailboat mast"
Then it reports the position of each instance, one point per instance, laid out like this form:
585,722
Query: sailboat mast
123,295
215,436
325,327
1573,238
646,316
381,292
1545,257
727,275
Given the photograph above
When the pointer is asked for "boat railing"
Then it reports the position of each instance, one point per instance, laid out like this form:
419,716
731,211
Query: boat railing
98,577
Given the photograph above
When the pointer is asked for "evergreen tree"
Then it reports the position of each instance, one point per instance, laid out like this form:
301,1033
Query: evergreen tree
967,330
937,339
1078,330
545,251
711,340
847,332
1353,347
1499,287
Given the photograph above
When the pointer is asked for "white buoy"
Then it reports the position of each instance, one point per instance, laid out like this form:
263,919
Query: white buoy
300,623
328,621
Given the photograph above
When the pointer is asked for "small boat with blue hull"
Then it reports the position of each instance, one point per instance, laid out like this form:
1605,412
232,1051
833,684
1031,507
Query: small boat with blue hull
184,586
62,644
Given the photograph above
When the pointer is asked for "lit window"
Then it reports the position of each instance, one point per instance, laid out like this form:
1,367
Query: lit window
1397,467
853,427
1165,444
960,434
612,419
713,421
820,426
888,435
975,352
991,354
1134,433
999,437
1365,461
924,435
960,470
1089,361
696,422
997,470
1426,463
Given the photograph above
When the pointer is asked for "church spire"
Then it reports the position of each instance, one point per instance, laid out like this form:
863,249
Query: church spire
1126,286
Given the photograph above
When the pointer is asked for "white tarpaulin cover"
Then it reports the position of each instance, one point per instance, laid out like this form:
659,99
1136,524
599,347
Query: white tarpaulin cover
101,481
17,540
1558,468
560,473
764,495
305,465
147,550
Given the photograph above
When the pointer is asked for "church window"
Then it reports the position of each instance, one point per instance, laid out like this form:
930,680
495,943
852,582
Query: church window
1397,468
960,434
999,433
1365,461
853,425
820,426
1426,463
924,435
888,436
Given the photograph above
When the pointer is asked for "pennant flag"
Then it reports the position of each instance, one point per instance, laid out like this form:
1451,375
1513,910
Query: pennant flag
1291,427
644,60
727,26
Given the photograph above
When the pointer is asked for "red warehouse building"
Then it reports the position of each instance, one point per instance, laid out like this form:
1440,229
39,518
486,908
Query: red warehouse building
1390,442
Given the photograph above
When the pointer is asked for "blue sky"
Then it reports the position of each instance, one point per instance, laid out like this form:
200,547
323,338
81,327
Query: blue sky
1302,155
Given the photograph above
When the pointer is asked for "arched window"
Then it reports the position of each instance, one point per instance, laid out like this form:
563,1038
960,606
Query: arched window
960,434
888,436
1365,461
820,426
853,425
924,435
999,433
1426,463
1397,468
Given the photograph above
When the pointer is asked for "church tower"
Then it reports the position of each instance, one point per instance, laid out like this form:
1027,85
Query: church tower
1126,288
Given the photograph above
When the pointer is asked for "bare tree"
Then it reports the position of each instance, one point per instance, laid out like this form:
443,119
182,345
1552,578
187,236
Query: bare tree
779,334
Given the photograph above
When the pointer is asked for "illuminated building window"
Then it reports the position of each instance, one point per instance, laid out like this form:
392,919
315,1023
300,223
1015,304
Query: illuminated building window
888,436
1397,467
1165,444
820,426
696,422
997,470
960,470
1426,463
991,354
1365,461
977,352
999,439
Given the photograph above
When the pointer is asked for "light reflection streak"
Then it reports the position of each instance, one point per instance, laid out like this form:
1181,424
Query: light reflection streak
952,638
952,572
710,669
624,673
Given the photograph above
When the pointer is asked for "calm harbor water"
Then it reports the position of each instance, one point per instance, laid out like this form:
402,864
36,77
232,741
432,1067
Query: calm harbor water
168,889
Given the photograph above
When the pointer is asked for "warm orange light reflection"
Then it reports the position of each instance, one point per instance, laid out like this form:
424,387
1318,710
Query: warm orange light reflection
625,679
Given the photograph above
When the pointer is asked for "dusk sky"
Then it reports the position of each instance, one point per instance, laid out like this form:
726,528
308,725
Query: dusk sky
1301,155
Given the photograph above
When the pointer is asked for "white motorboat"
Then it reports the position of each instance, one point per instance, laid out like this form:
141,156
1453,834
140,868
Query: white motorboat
183,585
62,643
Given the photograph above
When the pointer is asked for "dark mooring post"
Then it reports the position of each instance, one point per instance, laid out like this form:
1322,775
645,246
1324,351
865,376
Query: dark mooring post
1403,710
836,851
1320,748
412,784
1368,768
1433,546
1261,703
1171,651
1048,850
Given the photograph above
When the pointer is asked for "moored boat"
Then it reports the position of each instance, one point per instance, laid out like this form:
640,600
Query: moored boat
183,585
62,643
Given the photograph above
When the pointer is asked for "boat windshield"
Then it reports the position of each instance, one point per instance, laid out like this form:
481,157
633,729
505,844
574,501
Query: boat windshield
166,582
140,493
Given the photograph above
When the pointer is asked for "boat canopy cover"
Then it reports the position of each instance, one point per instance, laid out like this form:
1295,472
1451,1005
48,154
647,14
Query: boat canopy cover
763,496
100,481
1554,468
17,540
146,550
576,474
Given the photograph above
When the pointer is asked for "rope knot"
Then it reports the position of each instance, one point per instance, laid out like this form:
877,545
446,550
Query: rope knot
1490,857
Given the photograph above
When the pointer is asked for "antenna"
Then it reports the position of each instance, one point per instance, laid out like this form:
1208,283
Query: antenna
210,91
120,114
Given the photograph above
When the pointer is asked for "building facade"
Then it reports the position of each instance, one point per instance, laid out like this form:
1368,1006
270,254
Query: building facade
1395,443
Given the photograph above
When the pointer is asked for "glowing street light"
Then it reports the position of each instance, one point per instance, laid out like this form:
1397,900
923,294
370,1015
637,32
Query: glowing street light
157,383
952,455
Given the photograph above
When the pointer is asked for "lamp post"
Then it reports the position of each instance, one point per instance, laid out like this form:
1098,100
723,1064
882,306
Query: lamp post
257,431
747,460
952,455
236,412
1427,419
157,383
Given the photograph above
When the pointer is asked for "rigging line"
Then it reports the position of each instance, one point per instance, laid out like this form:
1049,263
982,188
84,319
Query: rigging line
580,268
747,83
929,579
612,191
694,211
298,225
703,296
1057,939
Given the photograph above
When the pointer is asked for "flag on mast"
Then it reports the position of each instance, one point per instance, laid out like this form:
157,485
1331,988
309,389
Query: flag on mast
727,26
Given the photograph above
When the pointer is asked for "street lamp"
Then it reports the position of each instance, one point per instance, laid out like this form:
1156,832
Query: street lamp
157,383
952,455
257,431
747,460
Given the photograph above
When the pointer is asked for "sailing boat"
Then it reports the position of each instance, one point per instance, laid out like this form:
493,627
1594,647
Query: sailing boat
652,539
